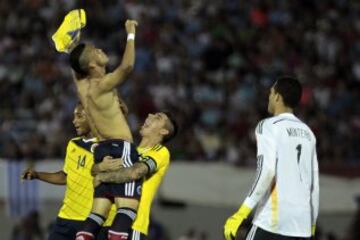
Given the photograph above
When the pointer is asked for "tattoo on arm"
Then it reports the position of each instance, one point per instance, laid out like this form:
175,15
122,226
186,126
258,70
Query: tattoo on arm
137,171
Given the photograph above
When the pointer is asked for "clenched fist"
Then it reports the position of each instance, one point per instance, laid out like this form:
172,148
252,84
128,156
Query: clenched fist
130,26
29,174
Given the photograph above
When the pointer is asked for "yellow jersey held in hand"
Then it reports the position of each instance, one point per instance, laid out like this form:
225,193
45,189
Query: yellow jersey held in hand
67,35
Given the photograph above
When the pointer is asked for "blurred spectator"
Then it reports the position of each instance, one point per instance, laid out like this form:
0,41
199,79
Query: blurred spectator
28,228
190,235
194,234
354,231
157,230
331,236
209,64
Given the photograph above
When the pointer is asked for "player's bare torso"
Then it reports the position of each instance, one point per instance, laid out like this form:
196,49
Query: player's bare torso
103,111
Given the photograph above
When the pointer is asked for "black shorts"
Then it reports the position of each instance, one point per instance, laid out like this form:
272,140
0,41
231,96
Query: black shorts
126,151
65,229
257,233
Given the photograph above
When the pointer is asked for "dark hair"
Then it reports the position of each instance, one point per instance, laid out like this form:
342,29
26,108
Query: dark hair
290,89
74,58
173,131
79,104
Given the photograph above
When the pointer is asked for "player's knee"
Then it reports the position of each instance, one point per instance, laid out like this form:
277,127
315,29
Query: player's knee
101,206
127,203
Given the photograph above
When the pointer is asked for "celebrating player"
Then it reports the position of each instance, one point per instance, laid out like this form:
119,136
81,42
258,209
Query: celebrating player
286,190
158,129
76,175
97,92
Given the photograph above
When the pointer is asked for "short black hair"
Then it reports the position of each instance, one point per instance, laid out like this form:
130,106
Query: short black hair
79,104
290,89
74,58
173,131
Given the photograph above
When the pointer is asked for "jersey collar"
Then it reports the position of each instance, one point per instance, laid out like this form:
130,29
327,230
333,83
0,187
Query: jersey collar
286,114
89,140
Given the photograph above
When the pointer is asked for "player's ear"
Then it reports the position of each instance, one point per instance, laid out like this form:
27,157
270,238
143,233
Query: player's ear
278,97
164,132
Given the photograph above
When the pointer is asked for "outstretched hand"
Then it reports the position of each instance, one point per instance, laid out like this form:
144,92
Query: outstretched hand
130,26
29,174
233,223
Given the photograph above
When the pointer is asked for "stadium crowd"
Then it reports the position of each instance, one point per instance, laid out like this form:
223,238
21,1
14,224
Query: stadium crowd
208,63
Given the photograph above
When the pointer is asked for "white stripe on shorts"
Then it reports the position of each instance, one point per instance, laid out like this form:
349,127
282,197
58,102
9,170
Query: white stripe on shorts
138,235
133,188
125,154
251,233
128,155
129,187
135,235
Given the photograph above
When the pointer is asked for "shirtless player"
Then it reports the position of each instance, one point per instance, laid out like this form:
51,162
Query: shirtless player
98,94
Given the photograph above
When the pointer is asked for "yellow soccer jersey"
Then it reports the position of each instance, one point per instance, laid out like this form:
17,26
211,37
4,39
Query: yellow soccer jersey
79,191
158,160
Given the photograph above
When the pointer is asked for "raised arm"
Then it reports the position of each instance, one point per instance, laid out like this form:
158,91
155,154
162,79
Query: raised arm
58,178
111,80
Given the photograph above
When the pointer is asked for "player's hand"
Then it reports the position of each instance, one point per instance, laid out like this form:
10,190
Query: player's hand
130,26
233,223
111,164
231,226
97,180
29,174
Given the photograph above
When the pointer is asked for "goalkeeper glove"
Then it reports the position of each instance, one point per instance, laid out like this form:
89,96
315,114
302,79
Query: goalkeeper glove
232,224
313,230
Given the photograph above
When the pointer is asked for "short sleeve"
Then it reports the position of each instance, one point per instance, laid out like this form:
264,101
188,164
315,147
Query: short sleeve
66,161
156,159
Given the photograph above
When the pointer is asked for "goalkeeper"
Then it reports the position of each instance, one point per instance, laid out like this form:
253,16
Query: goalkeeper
286,190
